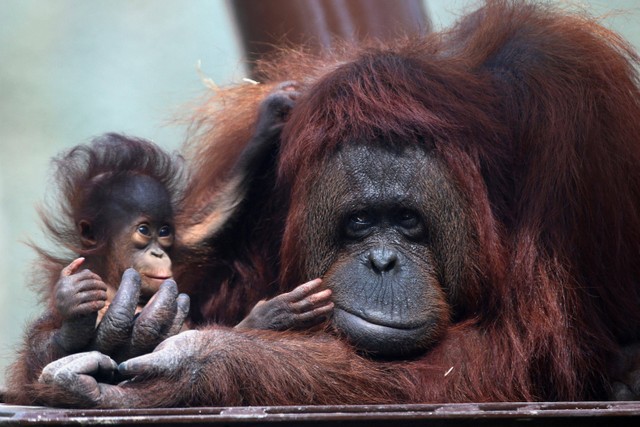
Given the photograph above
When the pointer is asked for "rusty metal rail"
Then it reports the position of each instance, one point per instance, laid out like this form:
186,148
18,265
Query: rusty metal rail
482,414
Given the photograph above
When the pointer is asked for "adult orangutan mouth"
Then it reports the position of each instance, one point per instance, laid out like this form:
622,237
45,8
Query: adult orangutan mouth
365,323
383,340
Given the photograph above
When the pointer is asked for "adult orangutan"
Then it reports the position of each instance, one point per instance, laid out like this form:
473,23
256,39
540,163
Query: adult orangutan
472,200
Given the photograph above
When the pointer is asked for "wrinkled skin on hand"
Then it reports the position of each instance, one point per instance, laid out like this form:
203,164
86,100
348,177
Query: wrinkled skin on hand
123,334
75,380
79,296
82,379
303,307
79,293
178,351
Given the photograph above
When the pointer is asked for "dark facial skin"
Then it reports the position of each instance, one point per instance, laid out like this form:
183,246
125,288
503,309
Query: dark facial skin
394,214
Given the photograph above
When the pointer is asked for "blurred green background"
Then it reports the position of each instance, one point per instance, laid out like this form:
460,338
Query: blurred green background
73,69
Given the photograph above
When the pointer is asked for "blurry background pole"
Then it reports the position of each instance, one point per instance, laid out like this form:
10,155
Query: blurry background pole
266,24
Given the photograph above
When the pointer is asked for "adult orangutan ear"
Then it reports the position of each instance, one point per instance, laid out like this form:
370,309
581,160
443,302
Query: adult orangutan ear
87,234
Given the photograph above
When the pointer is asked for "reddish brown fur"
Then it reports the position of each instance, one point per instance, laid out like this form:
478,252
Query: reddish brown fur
221,282
542,136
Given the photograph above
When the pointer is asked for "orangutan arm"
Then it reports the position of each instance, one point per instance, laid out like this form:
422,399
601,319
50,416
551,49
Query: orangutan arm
227,367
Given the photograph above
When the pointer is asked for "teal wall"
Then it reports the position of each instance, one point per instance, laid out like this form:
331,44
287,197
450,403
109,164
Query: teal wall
72,69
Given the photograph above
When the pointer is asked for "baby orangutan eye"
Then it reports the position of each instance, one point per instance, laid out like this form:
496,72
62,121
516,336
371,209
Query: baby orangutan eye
165,231
144,230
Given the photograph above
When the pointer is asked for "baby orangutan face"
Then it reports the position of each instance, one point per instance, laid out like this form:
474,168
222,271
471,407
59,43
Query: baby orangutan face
150,243
139,227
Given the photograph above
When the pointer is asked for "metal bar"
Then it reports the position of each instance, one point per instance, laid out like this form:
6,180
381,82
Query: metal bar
529,414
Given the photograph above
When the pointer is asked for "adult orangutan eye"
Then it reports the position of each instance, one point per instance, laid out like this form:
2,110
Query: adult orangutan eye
360,219
144,230
407,218
411,224
358,224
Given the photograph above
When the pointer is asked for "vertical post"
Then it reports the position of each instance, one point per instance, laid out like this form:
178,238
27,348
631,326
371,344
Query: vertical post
265,25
